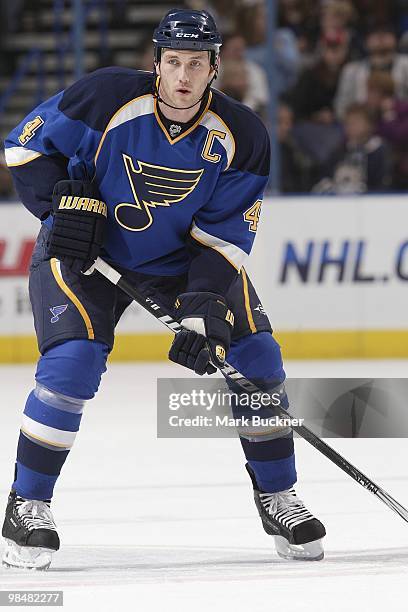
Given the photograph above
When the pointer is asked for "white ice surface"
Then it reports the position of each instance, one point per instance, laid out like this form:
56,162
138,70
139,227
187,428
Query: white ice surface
164,525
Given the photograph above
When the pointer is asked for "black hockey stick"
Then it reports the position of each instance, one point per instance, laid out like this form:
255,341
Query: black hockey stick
230,372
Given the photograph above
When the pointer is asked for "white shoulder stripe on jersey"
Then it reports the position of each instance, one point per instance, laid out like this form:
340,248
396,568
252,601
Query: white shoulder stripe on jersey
212,121
50,435
232,253
17,156
144,105
134,108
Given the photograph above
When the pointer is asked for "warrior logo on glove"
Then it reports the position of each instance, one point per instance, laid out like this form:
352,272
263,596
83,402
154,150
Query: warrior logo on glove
79,221
88,204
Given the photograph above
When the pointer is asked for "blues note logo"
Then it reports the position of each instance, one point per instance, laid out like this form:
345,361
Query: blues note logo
56,311
153,186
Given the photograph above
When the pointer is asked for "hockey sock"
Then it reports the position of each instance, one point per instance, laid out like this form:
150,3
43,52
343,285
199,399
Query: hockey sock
67,375
271,457
50,423
273,462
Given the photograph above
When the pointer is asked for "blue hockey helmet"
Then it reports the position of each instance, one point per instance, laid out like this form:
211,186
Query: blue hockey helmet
184,30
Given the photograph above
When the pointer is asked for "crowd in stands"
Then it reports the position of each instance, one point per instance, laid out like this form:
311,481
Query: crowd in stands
341,74
340,71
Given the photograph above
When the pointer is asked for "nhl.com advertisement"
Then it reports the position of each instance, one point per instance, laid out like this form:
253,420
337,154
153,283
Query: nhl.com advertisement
328,264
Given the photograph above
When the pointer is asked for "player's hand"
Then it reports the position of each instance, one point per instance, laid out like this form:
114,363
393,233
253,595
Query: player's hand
206,338
79,224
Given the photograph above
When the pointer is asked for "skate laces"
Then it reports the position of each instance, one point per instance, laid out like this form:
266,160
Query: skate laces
286,507
35,514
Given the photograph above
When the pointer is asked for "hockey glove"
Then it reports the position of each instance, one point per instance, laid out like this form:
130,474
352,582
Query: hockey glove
207,336
79,224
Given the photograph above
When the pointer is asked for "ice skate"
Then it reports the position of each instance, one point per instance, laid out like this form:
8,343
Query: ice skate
30,534
296,531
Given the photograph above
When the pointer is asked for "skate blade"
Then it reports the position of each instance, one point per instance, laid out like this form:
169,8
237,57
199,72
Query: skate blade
311,551
26,557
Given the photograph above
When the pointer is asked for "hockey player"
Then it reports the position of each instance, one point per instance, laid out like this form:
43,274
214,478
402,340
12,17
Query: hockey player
163,177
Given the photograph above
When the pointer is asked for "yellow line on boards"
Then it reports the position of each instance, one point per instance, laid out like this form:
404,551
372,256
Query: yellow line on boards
344,344
128,347
318,344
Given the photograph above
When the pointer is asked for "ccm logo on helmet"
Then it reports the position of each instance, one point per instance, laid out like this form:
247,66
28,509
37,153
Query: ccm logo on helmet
181,35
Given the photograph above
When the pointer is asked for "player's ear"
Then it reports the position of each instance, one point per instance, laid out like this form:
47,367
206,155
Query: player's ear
157,68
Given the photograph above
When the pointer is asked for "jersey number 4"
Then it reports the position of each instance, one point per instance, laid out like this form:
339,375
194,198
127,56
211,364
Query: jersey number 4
30,129
252,215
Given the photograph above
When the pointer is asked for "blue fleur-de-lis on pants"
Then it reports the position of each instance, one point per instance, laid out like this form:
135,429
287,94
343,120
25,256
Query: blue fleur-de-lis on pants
56,311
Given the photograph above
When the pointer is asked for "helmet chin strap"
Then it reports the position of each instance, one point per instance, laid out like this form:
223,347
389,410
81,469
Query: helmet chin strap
156,93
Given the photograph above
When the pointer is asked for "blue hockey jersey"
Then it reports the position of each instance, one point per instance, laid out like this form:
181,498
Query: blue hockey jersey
184,204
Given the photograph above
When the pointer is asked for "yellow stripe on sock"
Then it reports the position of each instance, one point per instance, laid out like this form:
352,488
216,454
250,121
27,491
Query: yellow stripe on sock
35,437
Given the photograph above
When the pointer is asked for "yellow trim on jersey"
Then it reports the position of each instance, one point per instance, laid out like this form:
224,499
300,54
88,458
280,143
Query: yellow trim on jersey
73,298
173,141
167,178
230,134
111,120
250,318
215,249
27,161
43,439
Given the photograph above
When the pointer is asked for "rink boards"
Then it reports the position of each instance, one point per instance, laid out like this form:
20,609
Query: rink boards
332,274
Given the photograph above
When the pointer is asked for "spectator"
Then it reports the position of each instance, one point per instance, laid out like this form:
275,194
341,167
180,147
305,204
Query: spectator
235,82
299,16
295,167
380,91
251,21
302,18
340,15
392,123
362,162
382,56
313,97
372,13
336,15
257,95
